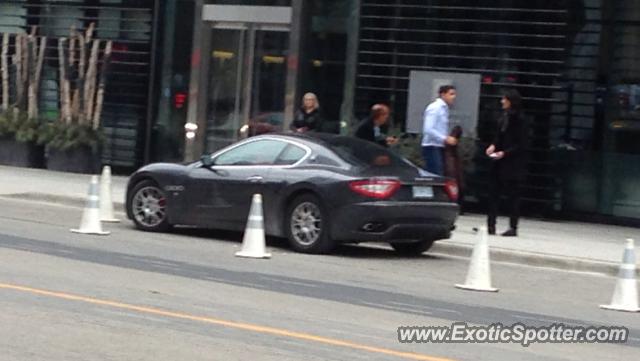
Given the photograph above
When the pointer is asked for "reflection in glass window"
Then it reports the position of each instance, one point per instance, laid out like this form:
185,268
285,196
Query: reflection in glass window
261,152
291,155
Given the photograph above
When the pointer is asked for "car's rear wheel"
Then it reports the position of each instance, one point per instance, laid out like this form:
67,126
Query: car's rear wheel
307,225
148,207
413,249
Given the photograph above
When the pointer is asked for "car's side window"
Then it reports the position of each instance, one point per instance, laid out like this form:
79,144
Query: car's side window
290,155
260,152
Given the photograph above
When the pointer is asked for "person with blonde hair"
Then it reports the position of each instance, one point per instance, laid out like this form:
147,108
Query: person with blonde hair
308,117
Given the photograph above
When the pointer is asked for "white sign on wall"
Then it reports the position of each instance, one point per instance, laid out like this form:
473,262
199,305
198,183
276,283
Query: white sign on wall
423,89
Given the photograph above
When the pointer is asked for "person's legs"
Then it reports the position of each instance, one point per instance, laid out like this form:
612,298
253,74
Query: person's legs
494,201
433,159
512,190
514,204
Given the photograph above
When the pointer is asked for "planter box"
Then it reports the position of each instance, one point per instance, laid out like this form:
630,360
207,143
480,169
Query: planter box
19,154
74,160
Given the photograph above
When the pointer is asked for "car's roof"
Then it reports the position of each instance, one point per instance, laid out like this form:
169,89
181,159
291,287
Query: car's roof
315,138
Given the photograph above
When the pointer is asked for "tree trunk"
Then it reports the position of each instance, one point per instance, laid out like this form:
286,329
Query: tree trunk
32,99
90,82
72,47
101,86
65,110
18,62
72,65
26,58
37,76
89,33
5,72
80,79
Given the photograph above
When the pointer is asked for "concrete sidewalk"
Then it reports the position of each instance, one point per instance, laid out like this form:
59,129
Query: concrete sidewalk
564,245
58,187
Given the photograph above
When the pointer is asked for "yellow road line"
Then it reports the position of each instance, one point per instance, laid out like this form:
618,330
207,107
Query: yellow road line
230,324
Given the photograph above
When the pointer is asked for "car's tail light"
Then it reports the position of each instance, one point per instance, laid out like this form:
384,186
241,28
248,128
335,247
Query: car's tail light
375,188
451,187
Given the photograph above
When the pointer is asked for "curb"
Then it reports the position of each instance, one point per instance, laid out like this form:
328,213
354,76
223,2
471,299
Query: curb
530,258
443,247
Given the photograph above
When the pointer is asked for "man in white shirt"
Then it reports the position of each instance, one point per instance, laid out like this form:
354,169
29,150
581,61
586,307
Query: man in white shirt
435,133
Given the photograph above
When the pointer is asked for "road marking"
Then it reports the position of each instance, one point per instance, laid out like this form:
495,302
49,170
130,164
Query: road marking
229,324
429,307
273,279
536,319
396,308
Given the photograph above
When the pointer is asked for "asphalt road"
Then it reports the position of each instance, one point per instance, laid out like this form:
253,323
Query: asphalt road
184,296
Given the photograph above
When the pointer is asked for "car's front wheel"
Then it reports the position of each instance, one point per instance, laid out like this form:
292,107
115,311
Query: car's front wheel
413,249
307,225
148,207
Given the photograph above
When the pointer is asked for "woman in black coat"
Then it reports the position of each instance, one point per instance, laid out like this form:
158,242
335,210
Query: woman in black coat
307,118
508,153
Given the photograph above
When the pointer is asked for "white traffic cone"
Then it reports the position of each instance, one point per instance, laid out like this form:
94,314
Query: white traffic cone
90,223
479,274
253,242
106,202
625,296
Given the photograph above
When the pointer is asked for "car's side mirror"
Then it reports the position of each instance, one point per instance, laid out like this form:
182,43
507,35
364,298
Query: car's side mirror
207,161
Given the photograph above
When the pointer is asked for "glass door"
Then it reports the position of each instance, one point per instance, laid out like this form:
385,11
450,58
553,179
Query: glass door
247,83
224,93
268,82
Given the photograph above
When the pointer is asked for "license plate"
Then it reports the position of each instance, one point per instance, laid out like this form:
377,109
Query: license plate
422,192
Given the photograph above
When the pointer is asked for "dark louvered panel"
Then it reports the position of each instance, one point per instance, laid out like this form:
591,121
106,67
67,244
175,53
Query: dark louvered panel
129,23
536,47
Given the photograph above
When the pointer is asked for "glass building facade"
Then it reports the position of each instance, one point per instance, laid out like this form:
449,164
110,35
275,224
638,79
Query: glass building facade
576,62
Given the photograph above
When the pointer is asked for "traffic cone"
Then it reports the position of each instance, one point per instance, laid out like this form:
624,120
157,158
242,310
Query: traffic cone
479,274
253,242
625,295
90,223
106,203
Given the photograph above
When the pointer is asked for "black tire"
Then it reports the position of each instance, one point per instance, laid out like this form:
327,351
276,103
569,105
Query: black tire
148,186
413,249
321,243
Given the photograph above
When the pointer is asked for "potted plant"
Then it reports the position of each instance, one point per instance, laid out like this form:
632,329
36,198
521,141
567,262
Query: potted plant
19,121
18,146
74,140
72,147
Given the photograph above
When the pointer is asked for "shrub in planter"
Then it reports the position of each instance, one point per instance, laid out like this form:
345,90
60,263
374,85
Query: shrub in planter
72,147
18,146
73,141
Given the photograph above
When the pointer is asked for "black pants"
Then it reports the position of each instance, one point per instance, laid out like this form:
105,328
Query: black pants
509,188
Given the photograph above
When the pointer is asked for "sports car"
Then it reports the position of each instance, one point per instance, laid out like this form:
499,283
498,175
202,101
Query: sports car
318,190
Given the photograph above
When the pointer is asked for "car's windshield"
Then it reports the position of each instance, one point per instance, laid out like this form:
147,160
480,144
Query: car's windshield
362,153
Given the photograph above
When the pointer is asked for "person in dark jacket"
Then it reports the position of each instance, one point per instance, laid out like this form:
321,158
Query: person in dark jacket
508,170
374,127
308,118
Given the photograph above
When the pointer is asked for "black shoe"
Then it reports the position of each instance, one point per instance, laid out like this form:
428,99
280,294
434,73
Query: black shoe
510,233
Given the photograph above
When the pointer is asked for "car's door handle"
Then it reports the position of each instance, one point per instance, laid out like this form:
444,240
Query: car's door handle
255,179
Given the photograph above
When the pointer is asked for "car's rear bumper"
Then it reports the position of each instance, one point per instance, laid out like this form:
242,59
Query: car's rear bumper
386,221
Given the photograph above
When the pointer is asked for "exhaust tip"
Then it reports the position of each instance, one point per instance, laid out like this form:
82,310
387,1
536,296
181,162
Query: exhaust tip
372,227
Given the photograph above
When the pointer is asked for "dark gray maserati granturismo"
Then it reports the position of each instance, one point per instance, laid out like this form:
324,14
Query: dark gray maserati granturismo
318,190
